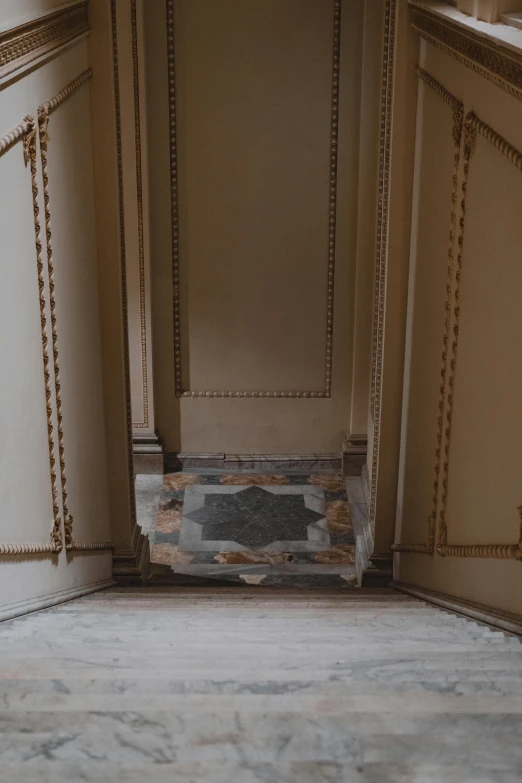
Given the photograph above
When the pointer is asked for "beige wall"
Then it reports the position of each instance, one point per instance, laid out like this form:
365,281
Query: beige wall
26,580
484,453
253,145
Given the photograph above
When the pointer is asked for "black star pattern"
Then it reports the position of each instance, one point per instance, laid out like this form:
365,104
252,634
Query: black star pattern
254,517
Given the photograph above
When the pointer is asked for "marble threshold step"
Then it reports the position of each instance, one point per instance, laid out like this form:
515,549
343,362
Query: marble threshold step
260,686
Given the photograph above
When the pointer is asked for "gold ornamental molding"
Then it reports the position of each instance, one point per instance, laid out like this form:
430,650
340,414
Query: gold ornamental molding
123,269
457,108
44,112
326,392
22,45
139,199
473,127
499,65
26,132
381,266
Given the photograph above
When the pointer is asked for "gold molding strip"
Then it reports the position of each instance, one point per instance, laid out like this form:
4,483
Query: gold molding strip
327,391
457,108
26,132
139,199
123,269
332,207
174,211
500,66
44,112
473,126
381,269
383,191
21,45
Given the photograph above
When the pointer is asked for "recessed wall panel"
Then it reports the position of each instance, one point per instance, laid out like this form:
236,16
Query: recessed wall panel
485,473
253,88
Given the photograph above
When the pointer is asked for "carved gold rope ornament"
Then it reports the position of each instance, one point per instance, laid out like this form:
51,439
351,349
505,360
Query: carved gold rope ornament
457,108
326,392
16,134
26,132
43,117
472,128
44,112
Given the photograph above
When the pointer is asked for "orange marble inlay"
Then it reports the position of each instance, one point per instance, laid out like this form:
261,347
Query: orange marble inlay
329,482
179,481
169,516
242,558
338,554
338,516
255,480
167,554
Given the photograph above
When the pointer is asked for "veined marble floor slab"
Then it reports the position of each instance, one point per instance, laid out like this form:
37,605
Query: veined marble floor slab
256,528
257,686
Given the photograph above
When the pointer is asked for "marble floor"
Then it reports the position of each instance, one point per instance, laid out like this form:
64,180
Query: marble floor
277,529
257,686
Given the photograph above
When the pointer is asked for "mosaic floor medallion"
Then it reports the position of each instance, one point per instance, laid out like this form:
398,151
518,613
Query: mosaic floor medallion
258,529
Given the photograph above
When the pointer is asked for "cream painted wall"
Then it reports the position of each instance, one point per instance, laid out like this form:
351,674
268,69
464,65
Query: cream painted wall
25,486
254,240
485,452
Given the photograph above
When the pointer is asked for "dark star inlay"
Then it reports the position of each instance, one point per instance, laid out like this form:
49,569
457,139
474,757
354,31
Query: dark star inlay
254,517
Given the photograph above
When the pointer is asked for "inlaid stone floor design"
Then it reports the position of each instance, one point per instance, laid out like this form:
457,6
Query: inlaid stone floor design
270,529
